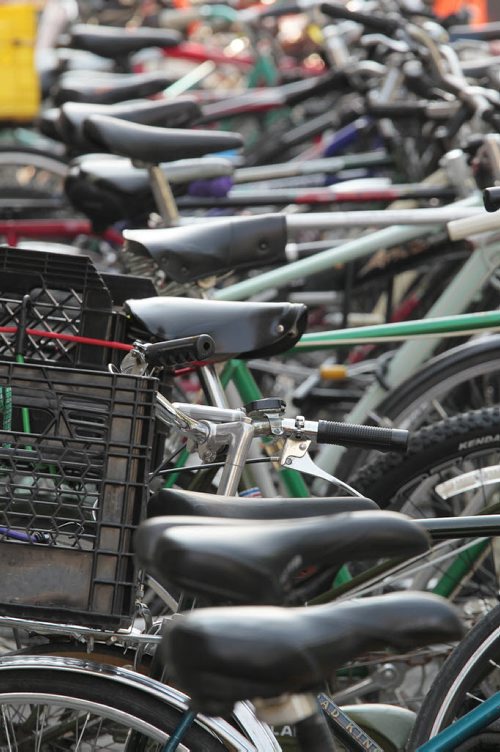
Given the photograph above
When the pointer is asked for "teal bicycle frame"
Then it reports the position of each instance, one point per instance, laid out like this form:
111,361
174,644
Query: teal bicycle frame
463,729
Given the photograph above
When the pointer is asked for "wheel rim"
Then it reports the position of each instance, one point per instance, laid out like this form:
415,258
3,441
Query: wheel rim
458,691
41,722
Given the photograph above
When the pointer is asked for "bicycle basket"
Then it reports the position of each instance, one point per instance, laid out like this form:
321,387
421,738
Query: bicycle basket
55,293
74,463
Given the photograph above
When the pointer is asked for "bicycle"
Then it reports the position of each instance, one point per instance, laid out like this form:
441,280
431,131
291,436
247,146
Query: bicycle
204,536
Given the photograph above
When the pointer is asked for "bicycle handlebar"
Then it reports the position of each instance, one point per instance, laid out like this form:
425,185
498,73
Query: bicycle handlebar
321,432
179,351
347,434
379,23
463,228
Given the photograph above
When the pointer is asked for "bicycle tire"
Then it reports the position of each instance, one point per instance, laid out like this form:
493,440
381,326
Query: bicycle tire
35,692
460,436
441,477
449,696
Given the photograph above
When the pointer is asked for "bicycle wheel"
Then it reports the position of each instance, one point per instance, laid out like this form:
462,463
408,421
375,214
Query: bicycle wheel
31,183
469,676
53,705
465,378
443,470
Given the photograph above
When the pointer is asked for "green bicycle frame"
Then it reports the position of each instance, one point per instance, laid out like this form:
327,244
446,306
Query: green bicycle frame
443,326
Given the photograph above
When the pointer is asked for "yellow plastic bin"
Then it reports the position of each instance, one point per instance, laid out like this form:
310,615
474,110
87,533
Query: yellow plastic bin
19,85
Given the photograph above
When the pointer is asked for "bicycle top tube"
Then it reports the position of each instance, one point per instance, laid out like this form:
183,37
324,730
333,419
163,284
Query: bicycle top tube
460,325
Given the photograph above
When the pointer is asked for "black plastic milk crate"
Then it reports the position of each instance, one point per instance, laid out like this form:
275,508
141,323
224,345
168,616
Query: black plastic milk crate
58,293
74,463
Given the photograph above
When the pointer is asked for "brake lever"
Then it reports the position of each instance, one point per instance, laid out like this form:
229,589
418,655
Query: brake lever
295,456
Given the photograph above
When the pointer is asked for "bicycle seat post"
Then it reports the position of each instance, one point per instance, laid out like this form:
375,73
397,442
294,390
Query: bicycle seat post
302,710
458,172
491,150
164,197
212,386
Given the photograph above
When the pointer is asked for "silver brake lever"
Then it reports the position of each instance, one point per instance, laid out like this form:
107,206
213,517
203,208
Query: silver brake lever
295,456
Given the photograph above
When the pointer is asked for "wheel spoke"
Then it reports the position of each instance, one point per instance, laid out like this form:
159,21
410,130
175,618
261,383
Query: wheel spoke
39,727
8,731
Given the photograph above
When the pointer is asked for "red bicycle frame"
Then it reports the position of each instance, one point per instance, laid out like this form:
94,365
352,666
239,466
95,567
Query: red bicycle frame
15,230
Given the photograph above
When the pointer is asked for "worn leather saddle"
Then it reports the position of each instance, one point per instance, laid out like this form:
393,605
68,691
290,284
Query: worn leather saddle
239,329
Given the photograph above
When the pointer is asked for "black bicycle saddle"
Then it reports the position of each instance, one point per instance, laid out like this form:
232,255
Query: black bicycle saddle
107,88
151,145
172,501
115,43
169,505
192,252
255,562
219,656
166,113
108,188
239,329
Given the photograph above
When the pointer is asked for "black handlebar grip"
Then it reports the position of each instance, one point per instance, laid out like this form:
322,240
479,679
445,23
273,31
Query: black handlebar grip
378,23
397,110
367,437
491,198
